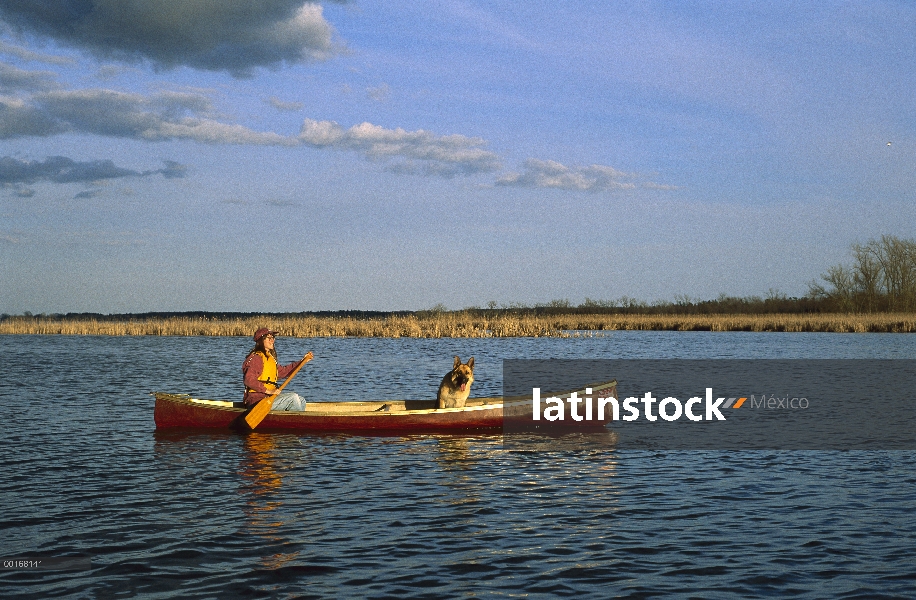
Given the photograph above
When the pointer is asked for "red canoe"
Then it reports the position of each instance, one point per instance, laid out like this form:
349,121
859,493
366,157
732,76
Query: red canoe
181,410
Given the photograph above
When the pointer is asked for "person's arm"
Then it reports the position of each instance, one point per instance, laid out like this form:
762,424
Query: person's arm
283,371
252,368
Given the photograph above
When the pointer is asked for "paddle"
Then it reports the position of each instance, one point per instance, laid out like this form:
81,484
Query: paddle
260,410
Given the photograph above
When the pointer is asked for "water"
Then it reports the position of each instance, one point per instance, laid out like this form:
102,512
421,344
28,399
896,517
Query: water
217,515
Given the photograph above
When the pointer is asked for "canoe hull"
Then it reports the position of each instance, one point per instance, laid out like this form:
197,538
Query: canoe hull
173,410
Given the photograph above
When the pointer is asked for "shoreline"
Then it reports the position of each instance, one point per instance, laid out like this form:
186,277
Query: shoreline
461,325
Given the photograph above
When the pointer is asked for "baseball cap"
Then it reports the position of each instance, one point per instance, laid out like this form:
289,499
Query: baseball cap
261,332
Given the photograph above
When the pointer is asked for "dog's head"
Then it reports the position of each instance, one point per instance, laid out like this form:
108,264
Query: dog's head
463,374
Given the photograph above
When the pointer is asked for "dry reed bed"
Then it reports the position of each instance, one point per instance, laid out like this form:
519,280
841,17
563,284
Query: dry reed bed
466,325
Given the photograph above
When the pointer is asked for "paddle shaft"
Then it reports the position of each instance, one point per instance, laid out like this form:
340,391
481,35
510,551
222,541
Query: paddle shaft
260,410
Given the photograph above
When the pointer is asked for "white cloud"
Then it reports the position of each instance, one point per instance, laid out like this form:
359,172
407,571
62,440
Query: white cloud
594,178
406,151
551,174
213,132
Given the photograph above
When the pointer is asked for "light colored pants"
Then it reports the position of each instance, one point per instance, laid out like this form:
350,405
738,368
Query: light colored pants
288,401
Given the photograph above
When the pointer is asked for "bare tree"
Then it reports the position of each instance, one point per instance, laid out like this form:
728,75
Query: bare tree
899,270
882,277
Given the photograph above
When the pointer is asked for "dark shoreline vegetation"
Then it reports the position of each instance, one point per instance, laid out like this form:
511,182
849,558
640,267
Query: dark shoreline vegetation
876,293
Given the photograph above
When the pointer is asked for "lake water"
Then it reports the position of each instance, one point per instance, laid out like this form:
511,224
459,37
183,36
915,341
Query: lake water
224,515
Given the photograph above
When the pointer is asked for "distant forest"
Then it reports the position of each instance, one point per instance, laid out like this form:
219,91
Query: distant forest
880,278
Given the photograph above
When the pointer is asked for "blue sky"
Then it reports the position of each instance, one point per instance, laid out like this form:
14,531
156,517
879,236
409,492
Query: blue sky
290,156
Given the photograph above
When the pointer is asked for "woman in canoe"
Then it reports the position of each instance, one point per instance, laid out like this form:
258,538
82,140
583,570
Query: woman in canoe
262,374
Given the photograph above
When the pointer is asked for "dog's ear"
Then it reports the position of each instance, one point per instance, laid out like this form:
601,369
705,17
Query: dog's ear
457,362
471,362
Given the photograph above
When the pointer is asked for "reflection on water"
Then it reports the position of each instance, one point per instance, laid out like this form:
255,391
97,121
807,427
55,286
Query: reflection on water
262,481
257,466
453,453
456,459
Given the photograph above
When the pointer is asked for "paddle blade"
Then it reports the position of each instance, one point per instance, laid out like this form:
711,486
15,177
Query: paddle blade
260,410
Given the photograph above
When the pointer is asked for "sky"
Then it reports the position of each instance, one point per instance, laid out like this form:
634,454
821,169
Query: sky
273,156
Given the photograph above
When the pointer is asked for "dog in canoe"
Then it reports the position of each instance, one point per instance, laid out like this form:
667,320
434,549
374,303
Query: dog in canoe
456,385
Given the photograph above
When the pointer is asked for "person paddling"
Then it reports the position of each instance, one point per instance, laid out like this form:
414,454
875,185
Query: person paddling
262,374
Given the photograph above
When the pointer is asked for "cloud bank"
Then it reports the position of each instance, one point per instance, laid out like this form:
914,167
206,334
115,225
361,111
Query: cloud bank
60,169
187,116
216,35
35,107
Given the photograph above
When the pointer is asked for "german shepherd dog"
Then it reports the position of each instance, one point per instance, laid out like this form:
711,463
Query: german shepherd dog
456,385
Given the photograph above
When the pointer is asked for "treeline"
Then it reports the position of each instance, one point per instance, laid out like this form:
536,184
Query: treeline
774,303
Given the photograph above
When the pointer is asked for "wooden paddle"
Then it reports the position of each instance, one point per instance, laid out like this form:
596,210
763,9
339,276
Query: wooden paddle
260,410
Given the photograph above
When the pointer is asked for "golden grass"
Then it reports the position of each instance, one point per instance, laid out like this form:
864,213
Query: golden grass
465,325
